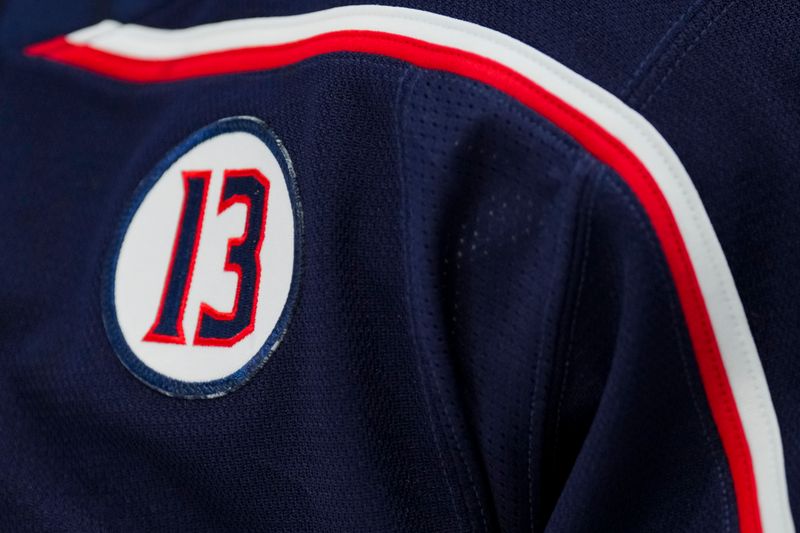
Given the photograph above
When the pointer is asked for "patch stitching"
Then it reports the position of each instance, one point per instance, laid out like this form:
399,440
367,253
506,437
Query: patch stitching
218,387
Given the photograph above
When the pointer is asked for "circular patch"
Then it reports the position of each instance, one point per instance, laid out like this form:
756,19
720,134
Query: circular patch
202,277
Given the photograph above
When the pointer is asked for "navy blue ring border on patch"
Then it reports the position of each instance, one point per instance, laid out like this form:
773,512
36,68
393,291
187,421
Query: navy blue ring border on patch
222,386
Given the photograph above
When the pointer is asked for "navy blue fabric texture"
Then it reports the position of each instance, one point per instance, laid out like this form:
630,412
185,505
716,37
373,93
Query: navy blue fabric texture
486,337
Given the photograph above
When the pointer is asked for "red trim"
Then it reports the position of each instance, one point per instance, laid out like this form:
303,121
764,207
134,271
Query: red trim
588,133
206,309
151,335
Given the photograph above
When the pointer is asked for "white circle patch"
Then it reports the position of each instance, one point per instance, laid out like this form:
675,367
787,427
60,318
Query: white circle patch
201,281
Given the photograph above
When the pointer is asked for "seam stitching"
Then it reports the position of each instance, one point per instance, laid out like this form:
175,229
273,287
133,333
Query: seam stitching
683,55
675,319
408,79
550,306
572,318
652,57
437,389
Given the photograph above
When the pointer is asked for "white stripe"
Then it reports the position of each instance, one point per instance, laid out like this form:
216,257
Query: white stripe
735,341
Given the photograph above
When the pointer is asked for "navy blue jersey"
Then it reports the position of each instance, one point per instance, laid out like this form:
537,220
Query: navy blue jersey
433,266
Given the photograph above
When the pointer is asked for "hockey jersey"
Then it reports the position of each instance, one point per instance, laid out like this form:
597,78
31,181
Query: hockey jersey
427,266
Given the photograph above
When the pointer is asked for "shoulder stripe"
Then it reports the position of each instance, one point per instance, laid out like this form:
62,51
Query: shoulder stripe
617,135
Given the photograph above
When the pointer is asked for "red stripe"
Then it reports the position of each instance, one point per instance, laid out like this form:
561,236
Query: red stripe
588,133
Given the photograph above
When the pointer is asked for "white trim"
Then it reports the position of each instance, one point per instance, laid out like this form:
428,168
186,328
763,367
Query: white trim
734,338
